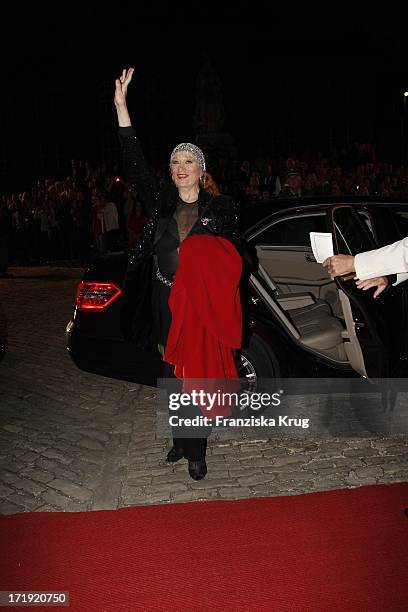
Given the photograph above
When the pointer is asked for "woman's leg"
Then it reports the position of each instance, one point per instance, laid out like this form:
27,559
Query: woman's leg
194,449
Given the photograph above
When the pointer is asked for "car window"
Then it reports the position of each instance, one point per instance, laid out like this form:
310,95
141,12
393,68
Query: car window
352,232
367,220
293,231
401,222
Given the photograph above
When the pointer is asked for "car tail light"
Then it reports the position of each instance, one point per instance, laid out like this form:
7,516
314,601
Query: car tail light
94,296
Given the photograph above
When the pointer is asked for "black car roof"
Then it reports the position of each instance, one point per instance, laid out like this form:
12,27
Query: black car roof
254,212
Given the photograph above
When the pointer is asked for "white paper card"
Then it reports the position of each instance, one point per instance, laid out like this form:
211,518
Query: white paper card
322,245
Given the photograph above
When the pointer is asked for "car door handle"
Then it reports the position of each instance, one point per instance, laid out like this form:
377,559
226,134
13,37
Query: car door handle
310,258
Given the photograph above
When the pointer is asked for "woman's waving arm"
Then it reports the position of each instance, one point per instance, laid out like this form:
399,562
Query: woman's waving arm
138,174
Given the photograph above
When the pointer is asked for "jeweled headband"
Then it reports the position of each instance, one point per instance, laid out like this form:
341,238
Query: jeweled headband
187,147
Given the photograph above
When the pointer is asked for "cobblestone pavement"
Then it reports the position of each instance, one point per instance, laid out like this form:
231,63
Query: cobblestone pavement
71,440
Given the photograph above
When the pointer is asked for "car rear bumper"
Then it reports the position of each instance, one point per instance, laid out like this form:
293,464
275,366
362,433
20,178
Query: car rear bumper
114,358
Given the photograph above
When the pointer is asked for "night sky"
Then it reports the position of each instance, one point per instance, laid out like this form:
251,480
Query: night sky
296,78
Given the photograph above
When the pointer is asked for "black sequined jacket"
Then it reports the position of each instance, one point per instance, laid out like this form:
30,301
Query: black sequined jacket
220,216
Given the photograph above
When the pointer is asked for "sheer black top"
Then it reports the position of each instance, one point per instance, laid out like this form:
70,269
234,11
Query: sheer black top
177,230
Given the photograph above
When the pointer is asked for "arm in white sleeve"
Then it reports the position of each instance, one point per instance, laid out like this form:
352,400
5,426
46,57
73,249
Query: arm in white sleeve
390,259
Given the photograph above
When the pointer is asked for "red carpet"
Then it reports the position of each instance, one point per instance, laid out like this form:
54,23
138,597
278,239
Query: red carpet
337,551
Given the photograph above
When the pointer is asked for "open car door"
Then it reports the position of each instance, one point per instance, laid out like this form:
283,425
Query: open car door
367,338
284,251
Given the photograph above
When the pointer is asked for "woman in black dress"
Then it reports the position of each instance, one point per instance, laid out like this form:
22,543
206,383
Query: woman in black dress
177,210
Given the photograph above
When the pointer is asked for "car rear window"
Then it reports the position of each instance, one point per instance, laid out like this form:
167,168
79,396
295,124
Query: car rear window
293,231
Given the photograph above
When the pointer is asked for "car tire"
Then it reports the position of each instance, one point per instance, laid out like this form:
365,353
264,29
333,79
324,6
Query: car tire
257,361
257,364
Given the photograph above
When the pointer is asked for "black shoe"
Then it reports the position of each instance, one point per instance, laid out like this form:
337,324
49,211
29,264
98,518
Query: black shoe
197,469
175,454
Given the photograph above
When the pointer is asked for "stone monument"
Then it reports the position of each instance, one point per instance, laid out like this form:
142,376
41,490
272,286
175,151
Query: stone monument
209,112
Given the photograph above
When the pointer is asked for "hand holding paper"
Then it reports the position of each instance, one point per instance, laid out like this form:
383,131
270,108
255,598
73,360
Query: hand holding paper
322,245
340,265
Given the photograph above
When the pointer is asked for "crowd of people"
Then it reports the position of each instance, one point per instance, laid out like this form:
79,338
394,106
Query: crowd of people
92,211
89,211
353,172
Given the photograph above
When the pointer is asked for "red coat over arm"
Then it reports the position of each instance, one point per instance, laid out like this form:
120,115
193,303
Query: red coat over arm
206,309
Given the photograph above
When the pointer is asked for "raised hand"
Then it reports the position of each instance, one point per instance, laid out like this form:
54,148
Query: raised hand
121,85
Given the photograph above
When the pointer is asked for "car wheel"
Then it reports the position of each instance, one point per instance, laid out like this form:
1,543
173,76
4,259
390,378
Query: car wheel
256,361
